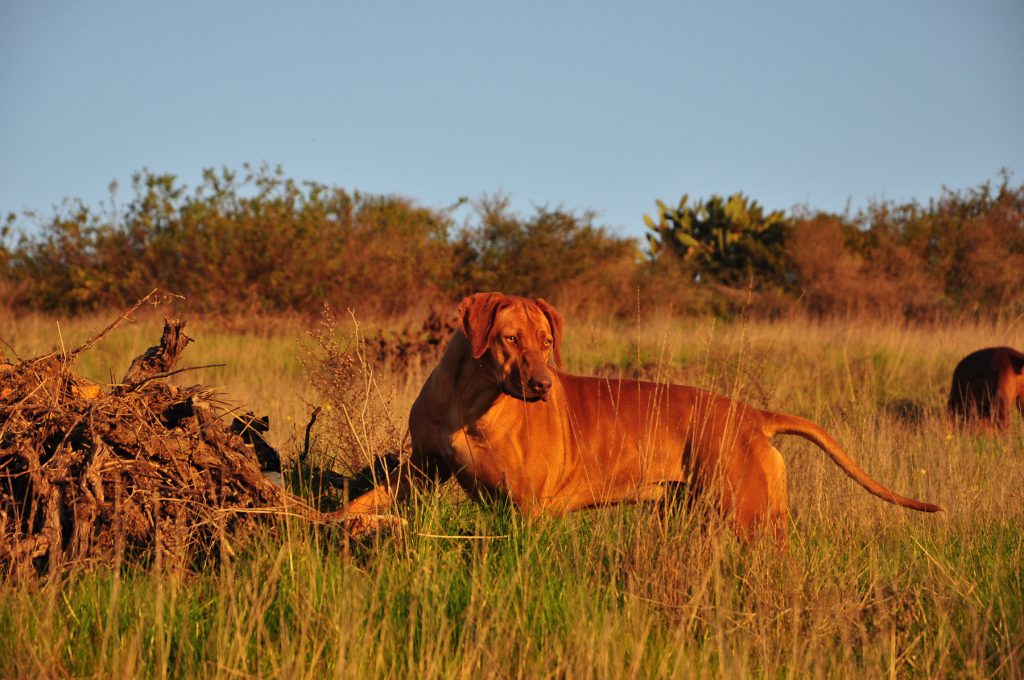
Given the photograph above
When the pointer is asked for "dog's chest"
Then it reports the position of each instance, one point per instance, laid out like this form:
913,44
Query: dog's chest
500,460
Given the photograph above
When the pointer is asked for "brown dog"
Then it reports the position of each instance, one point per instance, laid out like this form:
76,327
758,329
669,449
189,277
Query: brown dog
987,384
498,418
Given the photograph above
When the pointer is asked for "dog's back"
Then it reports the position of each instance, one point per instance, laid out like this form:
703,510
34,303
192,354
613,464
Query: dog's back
986,383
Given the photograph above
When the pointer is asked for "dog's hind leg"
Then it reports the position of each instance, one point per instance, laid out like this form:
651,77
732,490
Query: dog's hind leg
757,491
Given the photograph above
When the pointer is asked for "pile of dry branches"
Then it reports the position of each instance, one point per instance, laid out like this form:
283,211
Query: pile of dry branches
146,471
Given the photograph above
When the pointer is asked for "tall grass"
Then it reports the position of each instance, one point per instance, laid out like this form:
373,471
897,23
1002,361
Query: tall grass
474,591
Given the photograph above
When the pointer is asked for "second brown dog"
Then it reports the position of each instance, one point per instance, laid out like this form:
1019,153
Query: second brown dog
988,385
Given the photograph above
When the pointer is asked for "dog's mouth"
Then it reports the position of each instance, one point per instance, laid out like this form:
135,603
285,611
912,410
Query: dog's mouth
510,391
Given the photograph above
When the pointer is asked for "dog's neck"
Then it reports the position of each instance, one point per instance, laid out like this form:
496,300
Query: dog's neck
471,386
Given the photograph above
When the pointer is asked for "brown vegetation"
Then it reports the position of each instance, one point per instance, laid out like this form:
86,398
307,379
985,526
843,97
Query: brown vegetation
962,254
266,244
147,472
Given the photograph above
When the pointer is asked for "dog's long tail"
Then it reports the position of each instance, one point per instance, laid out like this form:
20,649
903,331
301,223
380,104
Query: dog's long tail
780,423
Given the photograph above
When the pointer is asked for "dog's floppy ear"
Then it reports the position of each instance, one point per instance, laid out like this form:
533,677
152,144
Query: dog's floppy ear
476,314
556,323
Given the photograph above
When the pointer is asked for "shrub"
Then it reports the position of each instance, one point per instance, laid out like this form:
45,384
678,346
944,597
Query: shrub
727,241
842,270
258,241
553,254
265,243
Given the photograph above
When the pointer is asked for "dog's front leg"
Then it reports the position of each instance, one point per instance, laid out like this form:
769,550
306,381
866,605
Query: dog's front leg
417,473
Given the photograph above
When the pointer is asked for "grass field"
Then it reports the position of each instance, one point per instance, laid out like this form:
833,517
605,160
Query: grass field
866,589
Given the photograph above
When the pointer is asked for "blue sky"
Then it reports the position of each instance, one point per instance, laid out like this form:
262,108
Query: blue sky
581,105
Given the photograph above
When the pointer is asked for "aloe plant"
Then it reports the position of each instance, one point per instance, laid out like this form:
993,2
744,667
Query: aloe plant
731,241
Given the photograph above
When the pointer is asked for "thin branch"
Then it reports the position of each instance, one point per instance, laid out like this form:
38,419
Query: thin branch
309,428
165,374
10,347
114,324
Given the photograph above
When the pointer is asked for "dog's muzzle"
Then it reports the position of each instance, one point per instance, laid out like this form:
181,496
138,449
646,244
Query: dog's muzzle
536,388
539,387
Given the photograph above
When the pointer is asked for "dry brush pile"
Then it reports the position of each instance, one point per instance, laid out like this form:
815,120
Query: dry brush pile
147,471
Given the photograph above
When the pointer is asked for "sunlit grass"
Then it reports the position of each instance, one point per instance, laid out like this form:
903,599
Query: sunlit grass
866,589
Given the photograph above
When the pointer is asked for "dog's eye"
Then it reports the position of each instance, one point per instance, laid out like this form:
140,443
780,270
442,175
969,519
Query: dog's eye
511,339
547,342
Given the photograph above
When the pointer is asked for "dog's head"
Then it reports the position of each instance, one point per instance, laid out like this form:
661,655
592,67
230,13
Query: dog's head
518,337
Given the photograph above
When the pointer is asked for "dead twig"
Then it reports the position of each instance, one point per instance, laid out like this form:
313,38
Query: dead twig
309,428
131,310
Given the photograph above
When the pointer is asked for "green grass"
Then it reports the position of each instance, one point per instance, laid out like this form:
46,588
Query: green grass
866,589
614,593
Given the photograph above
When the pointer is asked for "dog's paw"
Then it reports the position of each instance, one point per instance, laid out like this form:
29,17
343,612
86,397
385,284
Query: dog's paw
358,525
